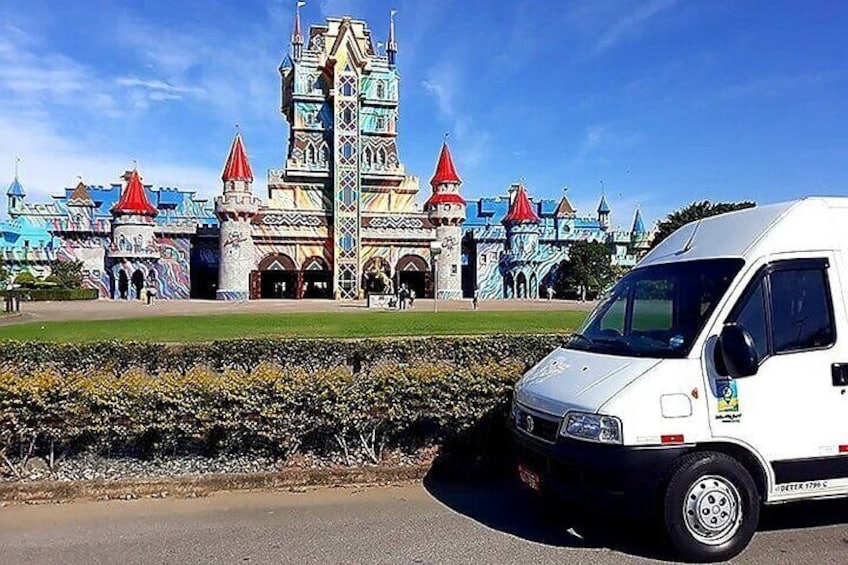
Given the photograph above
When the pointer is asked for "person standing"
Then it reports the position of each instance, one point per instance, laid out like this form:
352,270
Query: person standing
474,299
151,292
412,298
550,293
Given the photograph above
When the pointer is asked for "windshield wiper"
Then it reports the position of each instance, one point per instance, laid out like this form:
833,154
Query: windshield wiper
588,340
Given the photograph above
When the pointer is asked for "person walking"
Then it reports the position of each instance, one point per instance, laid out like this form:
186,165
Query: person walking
550,293
474,299
151,293
412,298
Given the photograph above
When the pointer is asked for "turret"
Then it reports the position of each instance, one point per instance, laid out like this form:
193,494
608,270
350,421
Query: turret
446,210
15,194
521,260
297,36
639,236
391,44
604,213
235,210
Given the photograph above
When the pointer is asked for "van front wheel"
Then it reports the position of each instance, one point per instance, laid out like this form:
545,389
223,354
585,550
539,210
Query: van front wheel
711,507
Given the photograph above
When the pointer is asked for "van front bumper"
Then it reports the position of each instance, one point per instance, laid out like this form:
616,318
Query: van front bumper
595,476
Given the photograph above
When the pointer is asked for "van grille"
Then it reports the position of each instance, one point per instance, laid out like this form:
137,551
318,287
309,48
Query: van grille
544,428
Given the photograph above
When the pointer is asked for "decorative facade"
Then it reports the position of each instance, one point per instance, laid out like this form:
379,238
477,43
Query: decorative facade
341,217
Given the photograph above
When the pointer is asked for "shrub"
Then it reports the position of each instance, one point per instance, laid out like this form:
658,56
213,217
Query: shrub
55,294
25,279
270,409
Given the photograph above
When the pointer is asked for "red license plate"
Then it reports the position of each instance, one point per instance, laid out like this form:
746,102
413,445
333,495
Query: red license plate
528,477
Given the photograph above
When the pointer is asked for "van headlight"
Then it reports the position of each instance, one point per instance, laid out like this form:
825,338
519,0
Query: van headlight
592,427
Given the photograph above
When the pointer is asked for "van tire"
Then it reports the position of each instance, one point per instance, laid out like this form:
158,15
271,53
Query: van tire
701,507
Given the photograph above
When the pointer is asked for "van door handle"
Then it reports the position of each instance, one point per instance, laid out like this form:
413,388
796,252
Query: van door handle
839,374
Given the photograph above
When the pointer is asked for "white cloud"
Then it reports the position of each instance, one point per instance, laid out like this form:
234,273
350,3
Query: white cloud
632,24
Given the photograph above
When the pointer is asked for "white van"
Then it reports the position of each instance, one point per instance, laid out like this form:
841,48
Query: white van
710,380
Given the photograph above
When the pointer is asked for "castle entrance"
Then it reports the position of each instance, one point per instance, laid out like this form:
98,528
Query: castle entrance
412,271
278,277
123,285
317,279
137,283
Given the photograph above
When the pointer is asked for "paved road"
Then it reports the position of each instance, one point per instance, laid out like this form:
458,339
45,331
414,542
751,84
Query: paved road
117,309
434,523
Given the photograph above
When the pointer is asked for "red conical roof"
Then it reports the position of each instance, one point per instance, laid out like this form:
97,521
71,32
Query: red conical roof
134,199
521,210
445,171
237,167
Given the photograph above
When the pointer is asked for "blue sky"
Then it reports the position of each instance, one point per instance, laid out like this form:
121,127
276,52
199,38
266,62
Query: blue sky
664,101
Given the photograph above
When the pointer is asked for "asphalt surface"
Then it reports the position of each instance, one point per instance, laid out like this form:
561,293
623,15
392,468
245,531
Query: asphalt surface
491,523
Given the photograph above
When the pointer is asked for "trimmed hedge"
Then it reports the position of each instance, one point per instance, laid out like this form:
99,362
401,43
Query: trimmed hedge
54,294
307,354
276,397
268,410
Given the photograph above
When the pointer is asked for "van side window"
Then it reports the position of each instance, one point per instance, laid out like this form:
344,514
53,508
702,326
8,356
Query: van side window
801,312
613,322
752,317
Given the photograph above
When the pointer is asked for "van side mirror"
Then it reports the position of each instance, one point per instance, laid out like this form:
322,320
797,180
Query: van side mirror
737,350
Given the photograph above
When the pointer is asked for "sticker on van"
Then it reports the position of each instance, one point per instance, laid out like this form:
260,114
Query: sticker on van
728,398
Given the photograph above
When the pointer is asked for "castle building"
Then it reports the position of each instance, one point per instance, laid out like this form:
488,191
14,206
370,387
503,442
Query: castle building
341,218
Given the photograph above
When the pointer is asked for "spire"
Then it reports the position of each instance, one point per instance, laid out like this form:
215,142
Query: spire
445,170
297,36
81,196
238,166
16,189
134,199
638,224
565,209
391,44
603,207
521,210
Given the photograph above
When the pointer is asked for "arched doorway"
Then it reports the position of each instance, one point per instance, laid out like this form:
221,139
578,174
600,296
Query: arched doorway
521,286
534,286
317,279
509,288
377,276
412,271
278,277
123,285
137,281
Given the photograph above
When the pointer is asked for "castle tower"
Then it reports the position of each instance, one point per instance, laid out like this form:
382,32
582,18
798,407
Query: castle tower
15,195
521,261
340,99
446,210
235,210
133,248
81,200
604,213
639,237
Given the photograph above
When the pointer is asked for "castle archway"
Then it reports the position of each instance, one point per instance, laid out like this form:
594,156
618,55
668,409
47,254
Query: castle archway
534,286
137,281
316,279
123,285
278,276
413,271
521,286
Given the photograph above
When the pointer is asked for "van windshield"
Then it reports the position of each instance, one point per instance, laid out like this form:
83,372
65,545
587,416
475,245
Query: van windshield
656,311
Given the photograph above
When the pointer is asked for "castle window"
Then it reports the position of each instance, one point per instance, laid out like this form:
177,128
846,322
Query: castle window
311,154
347,89
347,116
381,157
347,150
381,89
381,123
325,152
367,157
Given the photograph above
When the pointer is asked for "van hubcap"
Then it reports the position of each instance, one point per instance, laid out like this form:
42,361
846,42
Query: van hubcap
712,510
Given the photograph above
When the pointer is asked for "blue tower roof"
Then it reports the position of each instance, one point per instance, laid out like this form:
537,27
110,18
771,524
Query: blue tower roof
638,224
15,189
603,207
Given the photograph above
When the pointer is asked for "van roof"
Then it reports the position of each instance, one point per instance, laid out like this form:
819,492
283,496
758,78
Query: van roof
809,224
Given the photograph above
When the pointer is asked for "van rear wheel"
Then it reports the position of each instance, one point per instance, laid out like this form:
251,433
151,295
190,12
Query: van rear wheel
711,507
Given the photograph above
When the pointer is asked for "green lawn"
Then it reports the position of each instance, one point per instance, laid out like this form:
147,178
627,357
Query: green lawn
301,324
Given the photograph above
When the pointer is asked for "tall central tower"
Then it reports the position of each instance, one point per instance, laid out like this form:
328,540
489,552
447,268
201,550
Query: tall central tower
340,98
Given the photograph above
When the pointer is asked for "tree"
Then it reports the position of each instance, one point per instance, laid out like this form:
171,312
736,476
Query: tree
67,273
693,212
25,279
589,265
